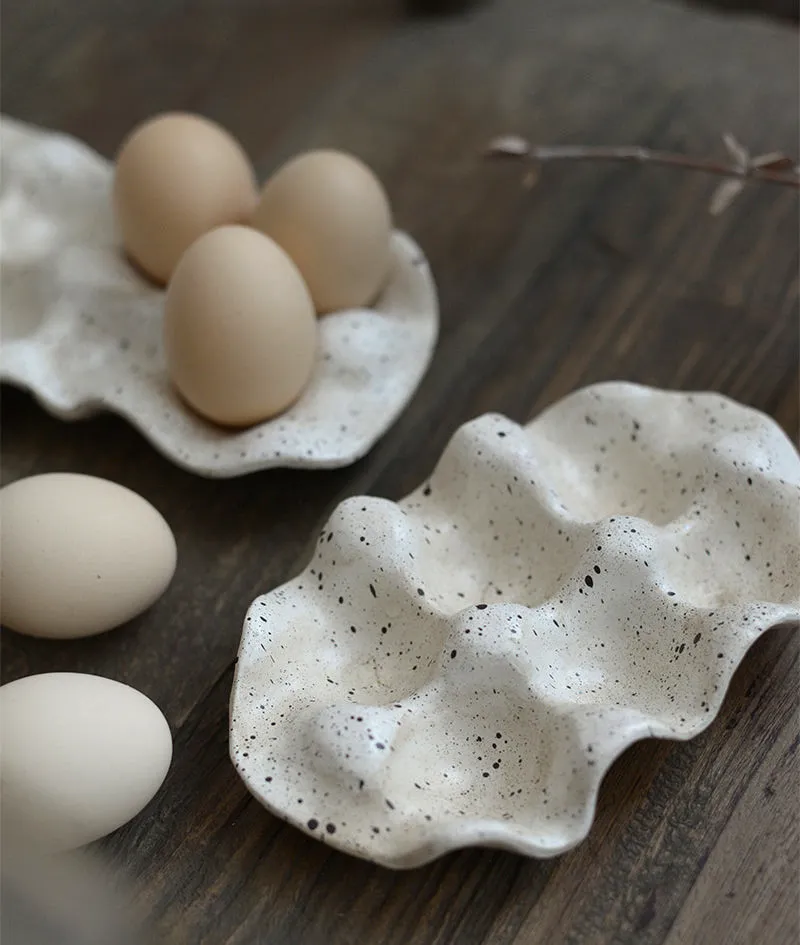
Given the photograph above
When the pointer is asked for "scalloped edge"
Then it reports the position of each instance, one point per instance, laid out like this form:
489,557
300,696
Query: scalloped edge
423,843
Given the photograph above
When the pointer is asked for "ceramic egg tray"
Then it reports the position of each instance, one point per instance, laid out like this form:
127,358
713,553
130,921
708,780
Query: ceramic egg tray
463,666
81,329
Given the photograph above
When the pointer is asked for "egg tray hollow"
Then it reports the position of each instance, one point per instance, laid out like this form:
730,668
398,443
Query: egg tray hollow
462,667
81,329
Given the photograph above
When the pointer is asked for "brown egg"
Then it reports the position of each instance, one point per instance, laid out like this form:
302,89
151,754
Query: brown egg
240,331
178,176
332,216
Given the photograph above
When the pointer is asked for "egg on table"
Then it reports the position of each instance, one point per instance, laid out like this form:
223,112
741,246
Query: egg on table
81,755
332,216
80,555
176,177
240,330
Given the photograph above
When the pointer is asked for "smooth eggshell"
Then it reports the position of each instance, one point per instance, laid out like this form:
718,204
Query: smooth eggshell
178,176
240,331
332,216
81,756
80,555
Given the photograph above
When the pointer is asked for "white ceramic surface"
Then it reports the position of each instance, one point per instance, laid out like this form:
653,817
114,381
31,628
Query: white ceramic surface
461,667
82,331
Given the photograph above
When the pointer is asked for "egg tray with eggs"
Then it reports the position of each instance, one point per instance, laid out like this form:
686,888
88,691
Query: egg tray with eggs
237,329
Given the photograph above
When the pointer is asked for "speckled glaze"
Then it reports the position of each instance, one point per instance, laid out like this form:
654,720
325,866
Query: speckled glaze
461,667
82,331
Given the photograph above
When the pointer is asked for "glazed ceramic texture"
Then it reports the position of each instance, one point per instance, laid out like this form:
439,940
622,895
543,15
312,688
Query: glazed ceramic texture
82,330
462,667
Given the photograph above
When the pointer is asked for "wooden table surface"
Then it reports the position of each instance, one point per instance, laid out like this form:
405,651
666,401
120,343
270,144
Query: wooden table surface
598,272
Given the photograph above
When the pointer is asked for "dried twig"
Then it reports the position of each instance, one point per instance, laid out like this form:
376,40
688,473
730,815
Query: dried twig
773,168
726,192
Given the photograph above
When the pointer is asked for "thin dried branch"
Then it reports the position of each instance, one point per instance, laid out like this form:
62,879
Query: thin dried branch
772,168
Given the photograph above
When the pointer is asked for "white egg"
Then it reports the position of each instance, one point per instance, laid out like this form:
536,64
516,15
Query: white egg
80,756
80,555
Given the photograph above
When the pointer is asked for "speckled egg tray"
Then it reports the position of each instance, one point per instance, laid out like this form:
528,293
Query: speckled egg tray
81,329
463,666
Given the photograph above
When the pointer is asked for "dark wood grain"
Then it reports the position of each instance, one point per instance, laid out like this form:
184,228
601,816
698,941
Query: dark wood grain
595,273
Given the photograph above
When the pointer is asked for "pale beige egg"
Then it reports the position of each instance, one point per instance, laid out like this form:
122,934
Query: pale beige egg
81,755
240,331
80,555
177,176
332,216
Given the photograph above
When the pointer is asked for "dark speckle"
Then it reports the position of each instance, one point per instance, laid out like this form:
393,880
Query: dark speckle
313,824
589,581
330,828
